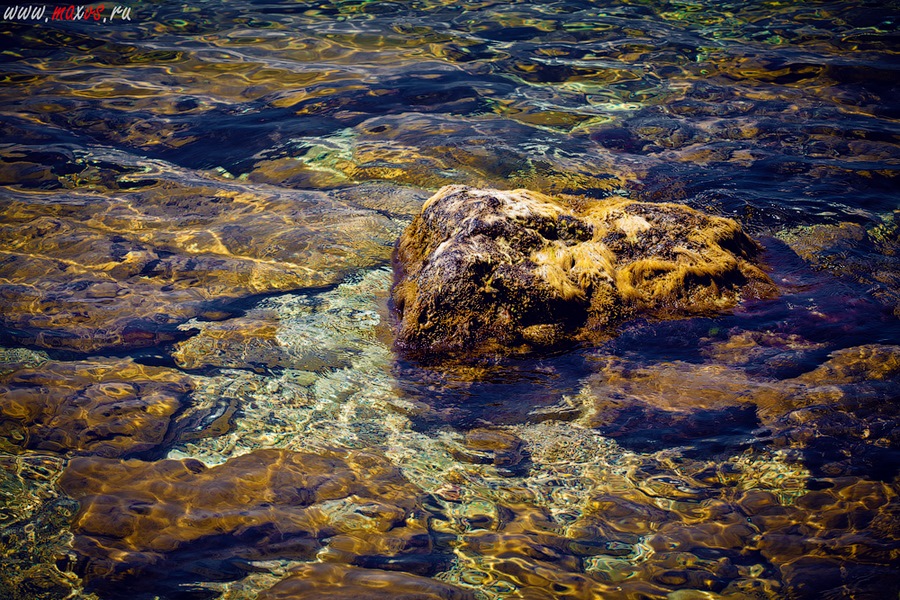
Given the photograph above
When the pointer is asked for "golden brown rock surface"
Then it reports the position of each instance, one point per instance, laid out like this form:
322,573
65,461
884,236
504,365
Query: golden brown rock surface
35,540
86,270
104,407
240,342
414,148
701,528
179,518
352,583
838,418
489,271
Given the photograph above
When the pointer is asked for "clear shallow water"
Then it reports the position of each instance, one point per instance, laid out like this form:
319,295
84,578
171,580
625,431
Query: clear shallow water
198,210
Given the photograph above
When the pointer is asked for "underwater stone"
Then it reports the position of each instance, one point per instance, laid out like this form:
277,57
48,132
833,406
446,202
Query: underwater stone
838,419
483,271
339,582
106,407
123,269
847,250
179,519
503,449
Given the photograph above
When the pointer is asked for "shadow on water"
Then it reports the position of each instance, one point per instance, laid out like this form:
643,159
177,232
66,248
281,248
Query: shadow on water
699,435
509,392
534,390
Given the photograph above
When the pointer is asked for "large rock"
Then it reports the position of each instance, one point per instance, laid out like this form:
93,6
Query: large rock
497,272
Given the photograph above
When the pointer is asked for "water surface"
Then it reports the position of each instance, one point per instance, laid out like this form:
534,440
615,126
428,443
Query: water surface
197,214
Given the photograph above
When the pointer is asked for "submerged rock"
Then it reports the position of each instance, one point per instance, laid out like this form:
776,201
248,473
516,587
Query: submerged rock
34,535
106,407
503,449
186,521
838,419
86,271
498,272
850,251
338,582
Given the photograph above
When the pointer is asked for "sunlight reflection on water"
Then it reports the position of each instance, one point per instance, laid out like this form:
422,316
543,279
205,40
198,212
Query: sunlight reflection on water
199,207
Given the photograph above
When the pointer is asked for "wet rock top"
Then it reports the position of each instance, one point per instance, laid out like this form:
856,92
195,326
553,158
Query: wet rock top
483,271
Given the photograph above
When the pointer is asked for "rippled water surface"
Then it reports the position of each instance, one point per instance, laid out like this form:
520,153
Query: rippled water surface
198,395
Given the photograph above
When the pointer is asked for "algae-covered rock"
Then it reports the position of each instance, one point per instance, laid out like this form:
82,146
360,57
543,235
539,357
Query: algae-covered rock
340,582
186,520
106,407
849,250
498,272
85,271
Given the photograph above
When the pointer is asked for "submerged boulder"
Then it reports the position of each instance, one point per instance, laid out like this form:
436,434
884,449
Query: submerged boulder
146,525
503,272
340,582
87,271
103,406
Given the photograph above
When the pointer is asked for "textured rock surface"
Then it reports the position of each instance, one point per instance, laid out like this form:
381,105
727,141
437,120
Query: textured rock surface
352,583
838,418
182,518
35,540
849,250
104,407
488,271
86,270
699,527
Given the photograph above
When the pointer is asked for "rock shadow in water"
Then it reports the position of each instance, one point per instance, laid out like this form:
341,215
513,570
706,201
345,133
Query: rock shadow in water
509,392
